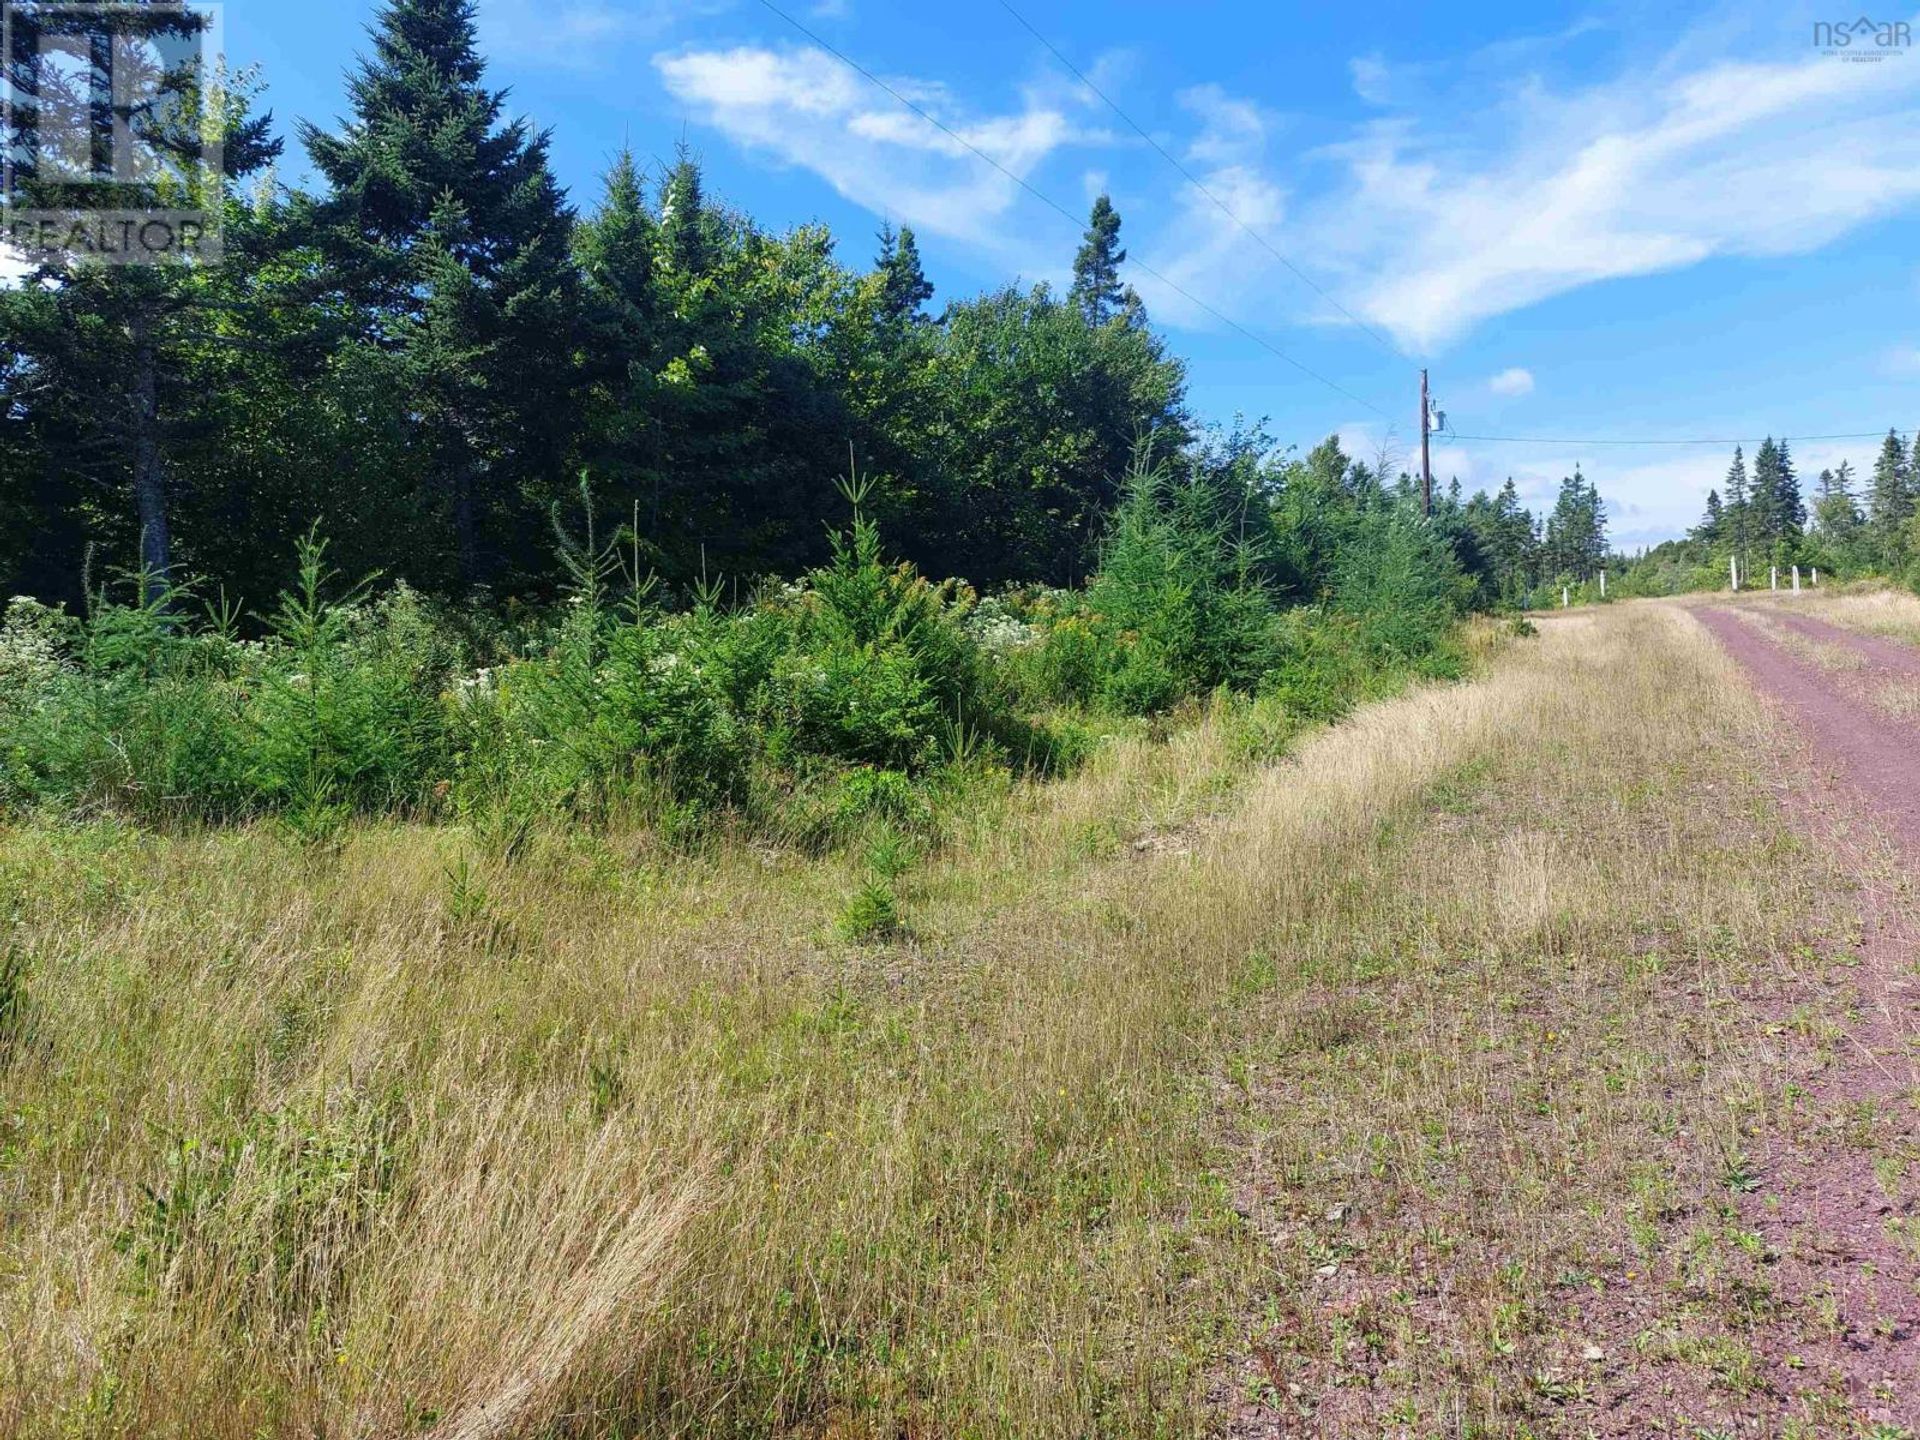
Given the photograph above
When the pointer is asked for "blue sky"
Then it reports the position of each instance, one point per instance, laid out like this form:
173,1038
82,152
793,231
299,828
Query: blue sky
1621,222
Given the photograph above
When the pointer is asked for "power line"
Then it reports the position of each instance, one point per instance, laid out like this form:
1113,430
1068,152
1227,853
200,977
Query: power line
1070,217
1195,181
1746,440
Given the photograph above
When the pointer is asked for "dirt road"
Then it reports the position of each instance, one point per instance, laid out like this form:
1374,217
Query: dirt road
1616,1132
1835,1202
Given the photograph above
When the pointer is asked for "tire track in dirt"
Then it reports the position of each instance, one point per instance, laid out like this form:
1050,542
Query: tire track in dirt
1845,1227
1887,655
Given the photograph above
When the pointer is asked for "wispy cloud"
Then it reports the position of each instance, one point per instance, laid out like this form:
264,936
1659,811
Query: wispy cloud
1372,80
1440,229
1198,246
1903,362
579,34
804,108
1512,381
1427,221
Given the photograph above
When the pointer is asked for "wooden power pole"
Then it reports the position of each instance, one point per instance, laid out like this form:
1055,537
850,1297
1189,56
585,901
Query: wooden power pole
1426,458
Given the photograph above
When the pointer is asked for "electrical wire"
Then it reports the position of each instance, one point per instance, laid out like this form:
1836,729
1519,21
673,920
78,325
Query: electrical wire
1746,440
1071,218
1197,184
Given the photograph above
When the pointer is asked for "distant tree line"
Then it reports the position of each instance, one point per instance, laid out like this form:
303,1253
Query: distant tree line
1760,516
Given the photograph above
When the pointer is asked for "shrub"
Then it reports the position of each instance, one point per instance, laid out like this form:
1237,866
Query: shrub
1179,607
352,714
879,666
128,709
1401,585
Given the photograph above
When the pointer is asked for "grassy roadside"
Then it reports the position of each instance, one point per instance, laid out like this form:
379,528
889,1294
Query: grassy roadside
1869,607
397,1140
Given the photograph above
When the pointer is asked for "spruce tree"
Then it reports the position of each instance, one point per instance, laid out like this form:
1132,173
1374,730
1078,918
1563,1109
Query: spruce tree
1511,542
104,356
615,250
1576,542
1836,513
1712,523
1738,530
904,287
1097,288
1789,503
1890,500
1776,509
443,225
686,224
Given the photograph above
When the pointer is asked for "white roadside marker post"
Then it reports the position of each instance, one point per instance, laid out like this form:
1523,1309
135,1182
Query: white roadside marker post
1564,601
1796,579
1603,584
1733,569
1816,577
1773,574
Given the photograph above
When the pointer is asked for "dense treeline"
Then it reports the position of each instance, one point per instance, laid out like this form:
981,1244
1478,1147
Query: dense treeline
551,436
426,353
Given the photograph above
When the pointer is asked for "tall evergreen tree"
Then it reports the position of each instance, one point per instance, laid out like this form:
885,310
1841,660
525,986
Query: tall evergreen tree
108,352
1790,504
1576,539
1836,513
1712,523
445,228
904,286
1890,500
686,223
1776,510
1509,543
615,250
1737,532
1097,287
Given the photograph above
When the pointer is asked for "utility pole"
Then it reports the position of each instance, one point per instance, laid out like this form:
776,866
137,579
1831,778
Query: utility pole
1426,457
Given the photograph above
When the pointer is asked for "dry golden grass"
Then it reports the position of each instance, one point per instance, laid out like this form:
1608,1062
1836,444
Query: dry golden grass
1874,608
398,1140
1832,656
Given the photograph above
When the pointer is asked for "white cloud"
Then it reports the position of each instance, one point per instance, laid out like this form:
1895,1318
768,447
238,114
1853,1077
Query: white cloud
1903,362
1512,381
1438,230
806,109
1233,131
830,10
578,34
1371,79
1198,249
